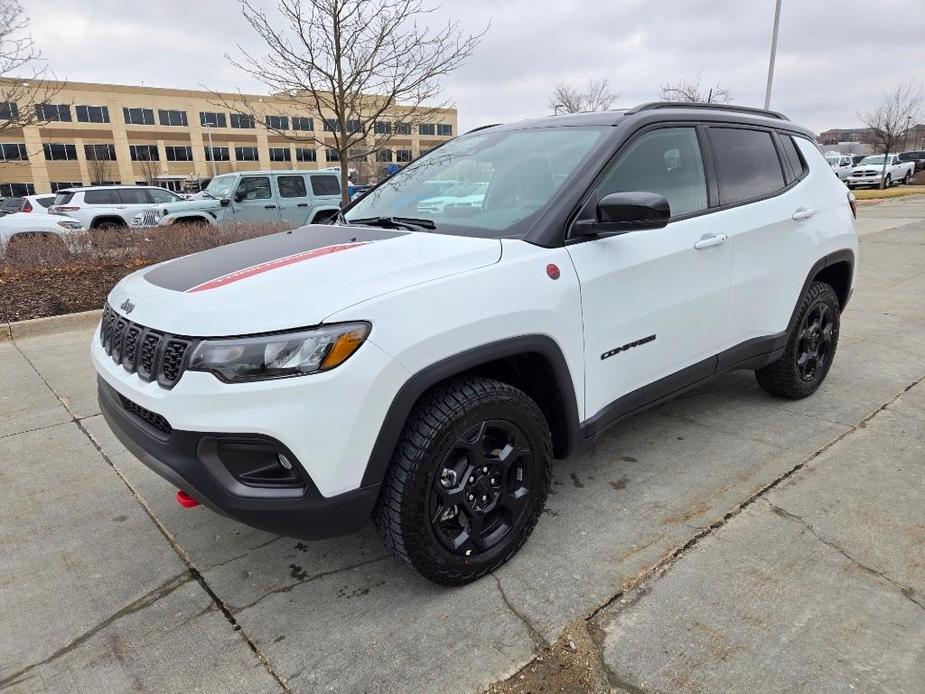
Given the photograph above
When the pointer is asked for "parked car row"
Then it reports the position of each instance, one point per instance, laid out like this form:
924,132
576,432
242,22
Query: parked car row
878,168
38,204
20,227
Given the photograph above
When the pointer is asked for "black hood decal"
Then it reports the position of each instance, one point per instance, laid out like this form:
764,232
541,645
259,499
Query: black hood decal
219,266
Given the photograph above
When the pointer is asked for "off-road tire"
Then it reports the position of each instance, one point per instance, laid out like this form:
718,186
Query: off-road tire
783,377
441,415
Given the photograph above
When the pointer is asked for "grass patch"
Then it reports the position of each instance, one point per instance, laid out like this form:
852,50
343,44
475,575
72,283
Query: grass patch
877,194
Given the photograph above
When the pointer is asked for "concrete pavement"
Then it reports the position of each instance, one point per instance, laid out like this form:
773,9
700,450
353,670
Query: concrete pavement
724,541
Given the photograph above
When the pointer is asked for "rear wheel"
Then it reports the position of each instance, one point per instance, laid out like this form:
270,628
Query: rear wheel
810,348
907,178
888,182
467,482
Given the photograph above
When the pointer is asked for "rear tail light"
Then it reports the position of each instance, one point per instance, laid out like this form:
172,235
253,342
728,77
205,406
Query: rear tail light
61,208
27,207
852,203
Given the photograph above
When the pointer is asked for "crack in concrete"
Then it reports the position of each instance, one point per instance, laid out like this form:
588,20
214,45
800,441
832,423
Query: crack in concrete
598,636
171,540
241,556
538,640
907,591
640,585
289,587
141,603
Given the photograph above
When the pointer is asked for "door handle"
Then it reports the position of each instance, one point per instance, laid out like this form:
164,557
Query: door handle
302,204
710,241
803,213
269,207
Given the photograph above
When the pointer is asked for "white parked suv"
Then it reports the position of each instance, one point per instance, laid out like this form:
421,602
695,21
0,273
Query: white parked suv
109,207
24,227
870,171
425,371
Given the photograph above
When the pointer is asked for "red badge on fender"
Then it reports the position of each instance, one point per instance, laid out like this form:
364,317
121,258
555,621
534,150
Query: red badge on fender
553,271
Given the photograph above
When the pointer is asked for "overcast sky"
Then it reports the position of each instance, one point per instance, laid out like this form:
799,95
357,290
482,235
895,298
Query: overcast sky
834,58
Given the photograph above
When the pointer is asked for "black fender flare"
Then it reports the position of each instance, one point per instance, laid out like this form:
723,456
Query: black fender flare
414,387
844,255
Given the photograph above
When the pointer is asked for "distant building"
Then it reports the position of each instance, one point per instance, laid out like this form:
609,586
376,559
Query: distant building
110,133
837,139
837,135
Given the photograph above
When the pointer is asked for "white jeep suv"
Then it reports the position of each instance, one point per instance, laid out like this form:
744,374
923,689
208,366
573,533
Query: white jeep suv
424,372
109,207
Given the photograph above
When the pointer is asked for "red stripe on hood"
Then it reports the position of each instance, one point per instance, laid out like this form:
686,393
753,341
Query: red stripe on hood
272,265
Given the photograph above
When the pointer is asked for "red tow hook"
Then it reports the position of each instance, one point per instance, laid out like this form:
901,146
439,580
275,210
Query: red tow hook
185,500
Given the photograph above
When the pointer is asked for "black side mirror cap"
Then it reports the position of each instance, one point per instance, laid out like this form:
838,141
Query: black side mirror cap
224,202
238,197
618,213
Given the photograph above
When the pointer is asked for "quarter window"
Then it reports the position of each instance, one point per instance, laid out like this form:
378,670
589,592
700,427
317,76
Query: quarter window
92,114
746,163
138,116
666,162
254,188
291,186
792,155
325,185
172,117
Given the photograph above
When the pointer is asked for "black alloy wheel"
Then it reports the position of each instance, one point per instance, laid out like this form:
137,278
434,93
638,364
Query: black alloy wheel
814,341
480,491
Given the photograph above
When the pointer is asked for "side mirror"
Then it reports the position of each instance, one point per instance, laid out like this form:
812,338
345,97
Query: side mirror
618,213
224,202
238,197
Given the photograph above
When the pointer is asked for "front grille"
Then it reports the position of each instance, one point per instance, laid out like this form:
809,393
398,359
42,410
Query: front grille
152,354
149,219
157,421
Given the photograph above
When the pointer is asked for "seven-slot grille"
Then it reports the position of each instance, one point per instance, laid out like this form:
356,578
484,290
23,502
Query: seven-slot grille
149,218
152,354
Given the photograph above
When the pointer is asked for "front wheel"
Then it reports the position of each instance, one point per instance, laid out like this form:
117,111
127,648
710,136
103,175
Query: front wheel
810,347
888,182
467,481
907,178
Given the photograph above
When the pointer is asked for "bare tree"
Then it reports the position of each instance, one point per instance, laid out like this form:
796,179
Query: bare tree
889,121
596,96
98,167
692,91
355,63
25,81
148,168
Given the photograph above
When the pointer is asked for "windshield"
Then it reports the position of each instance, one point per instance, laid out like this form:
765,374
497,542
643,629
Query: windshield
220,186
876,159
832,158
485,184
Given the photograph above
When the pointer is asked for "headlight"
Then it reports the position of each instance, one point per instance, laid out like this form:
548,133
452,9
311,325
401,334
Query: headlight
136,220
282,355
70,224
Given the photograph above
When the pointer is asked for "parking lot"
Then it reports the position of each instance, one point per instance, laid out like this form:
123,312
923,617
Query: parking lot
723,541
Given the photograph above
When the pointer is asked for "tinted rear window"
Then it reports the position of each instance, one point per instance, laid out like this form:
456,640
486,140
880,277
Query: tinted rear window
63,198
134,196
325,185
45,202
793,156
12,204
101,197
747,164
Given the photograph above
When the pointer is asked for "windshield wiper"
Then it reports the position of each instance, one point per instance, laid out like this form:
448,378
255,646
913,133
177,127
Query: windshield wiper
410,223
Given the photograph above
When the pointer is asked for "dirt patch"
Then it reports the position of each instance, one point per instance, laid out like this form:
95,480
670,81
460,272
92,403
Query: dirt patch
41,277
571,665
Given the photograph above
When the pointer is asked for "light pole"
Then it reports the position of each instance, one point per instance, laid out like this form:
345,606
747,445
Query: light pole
208,127
906,132
767,91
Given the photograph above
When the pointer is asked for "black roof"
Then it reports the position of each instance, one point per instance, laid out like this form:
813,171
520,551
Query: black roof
662,110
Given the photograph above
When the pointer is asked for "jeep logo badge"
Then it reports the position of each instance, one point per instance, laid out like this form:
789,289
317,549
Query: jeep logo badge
127,306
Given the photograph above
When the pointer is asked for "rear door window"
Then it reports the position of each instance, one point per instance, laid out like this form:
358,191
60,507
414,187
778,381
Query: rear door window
101,197
747,164
325,185
133,196
291,186
160,196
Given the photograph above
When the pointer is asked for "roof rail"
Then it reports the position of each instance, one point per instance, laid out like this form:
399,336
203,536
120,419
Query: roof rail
655,105
482,127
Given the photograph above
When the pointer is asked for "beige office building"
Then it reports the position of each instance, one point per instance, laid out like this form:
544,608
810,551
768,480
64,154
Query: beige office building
108,133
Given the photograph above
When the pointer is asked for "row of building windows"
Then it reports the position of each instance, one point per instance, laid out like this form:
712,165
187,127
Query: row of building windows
16,190
171,117
13,152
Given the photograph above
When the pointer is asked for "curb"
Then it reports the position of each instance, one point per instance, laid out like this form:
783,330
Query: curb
37,327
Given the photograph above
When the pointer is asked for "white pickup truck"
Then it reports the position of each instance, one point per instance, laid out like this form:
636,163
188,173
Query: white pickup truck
870,171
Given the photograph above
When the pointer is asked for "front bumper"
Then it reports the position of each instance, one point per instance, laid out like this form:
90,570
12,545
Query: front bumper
189,460
863,180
